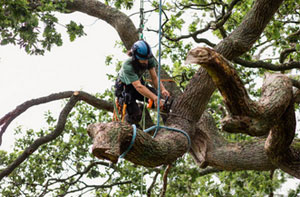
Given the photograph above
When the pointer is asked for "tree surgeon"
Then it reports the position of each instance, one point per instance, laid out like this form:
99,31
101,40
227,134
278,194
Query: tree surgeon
130,85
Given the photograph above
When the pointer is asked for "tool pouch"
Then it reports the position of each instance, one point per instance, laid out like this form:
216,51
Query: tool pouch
119,88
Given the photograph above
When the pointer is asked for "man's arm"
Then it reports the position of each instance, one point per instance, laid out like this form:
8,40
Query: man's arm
155,82
143,90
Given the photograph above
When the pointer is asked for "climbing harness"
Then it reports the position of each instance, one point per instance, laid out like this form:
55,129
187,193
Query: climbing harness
116,112
157,126
119,109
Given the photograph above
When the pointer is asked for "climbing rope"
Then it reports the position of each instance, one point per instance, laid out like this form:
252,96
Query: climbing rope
157,126
131,143
141,36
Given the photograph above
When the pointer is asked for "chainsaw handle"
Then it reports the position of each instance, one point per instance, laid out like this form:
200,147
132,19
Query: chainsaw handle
150,103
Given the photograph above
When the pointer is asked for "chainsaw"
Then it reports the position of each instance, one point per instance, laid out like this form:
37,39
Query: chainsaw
166,106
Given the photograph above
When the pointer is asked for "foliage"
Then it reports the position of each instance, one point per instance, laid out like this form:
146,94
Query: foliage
32,25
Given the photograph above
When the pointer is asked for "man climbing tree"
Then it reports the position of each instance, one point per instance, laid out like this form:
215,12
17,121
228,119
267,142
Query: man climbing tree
130,85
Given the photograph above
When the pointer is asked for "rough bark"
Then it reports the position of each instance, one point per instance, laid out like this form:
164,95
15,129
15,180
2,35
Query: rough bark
211,149
112,139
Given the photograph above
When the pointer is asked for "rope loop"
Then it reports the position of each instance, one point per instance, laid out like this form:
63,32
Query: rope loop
131,143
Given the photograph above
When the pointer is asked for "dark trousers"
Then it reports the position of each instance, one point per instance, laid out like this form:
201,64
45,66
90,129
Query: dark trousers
129,95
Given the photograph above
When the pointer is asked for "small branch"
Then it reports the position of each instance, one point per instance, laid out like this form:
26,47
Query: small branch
95,186
266,65
40,141
257,57
165,181
195,6
208,170
8,118
152,184
285,53
271,194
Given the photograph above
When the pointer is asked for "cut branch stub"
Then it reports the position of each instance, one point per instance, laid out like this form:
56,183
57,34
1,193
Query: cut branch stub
110,140
247,116
225,78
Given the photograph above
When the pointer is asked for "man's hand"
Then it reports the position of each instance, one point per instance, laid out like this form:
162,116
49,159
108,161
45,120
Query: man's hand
165,93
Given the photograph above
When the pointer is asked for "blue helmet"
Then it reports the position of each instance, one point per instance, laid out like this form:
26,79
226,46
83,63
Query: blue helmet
141,50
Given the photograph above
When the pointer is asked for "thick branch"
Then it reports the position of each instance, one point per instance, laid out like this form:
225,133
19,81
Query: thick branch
112,139
121,22
278,143
246,34
211,149
225,78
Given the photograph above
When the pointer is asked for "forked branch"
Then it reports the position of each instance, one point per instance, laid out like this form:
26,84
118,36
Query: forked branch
273,114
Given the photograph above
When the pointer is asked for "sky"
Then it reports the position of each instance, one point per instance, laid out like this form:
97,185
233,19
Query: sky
78,65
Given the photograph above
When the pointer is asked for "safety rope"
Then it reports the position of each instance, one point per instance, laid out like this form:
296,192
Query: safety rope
157,126
131,143
141,36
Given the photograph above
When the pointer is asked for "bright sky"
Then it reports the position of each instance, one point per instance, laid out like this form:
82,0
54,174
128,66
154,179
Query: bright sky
77,65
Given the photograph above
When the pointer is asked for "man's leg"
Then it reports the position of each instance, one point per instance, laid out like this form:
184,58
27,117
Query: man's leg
134,113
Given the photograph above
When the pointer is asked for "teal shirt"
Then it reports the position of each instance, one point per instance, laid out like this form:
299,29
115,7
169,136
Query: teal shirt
127,73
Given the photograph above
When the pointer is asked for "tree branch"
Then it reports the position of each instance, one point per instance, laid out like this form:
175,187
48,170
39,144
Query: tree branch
152,184
9,117
165,181
121,22
266,65
284,54
110,140
74,97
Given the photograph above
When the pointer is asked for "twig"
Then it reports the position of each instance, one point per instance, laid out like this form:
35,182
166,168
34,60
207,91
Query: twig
165,181
152,184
